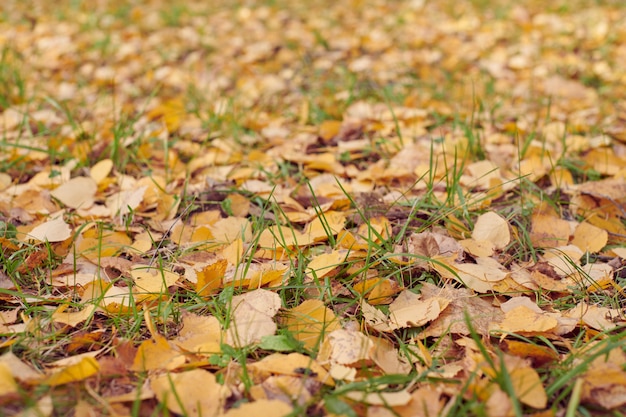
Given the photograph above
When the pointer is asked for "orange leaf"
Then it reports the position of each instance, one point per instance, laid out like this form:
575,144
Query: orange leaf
210,278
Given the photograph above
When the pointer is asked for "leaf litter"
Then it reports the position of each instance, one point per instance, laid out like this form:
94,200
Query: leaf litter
346,208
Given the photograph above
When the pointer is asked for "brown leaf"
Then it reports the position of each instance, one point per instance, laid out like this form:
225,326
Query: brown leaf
462,304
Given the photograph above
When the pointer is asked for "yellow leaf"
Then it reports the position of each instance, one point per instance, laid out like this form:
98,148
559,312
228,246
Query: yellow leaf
291,364
418,313
377,290
156,354
326,264
277,236
605,384
193,393
329,128
117,300
481,248
425,401
540,355
100,170
199,334
21,370
7,382
261,408
389,399
528,387
239,205
310,322
522,319
590,238
230,229
479,276
549,231
387,358
151,283
329,223
233,253
87,367
96,244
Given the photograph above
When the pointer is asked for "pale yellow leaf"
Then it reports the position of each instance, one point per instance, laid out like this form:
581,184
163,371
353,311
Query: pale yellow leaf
526,383
55,230
252,317
478,247
261,408
349,347
77,193
100,170
492,227
73,318
231,228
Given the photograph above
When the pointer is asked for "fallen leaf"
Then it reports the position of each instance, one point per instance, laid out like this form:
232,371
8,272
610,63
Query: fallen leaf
310,322
151,283
262,408
199,334
76,193
157,354
590,238
209,280
192,393
523,320
492,227
55,230
252,317
79,371
8,385
293,364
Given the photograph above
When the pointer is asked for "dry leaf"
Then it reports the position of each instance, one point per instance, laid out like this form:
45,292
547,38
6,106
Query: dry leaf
252,317
293,364
77,193
590,238
157,354
492,227
261,408
8,385
192,393
55,230
310,322
79,371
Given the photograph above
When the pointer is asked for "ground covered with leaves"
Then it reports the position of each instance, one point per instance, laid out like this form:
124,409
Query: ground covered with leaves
360,208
